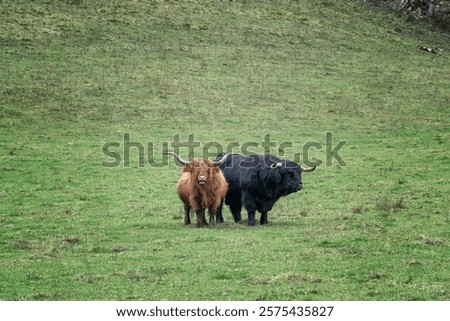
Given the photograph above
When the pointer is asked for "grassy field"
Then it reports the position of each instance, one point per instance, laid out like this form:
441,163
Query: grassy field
78,74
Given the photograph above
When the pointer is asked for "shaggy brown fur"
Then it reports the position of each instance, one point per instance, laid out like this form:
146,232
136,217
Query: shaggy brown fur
201,186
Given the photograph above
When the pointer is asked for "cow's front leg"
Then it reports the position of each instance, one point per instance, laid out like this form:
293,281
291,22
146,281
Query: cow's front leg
201,218
251,218
187,217
264,219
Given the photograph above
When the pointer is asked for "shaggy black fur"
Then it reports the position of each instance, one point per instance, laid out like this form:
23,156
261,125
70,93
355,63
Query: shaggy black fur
254,183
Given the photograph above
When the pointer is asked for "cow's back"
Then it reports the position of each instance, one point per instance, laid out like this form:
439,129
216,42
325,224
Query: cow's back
236,170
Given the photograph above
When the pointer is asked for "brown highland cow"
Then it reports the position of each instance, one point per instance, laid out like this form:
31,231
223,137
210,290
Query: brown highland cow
201,186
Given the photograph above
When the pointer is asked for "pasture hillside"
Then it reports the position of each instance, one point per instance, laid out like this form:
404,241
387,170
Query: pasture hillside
76,75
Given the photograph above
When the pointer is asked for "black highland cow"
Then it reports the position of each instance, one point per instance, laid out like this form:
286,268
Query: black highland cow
257,182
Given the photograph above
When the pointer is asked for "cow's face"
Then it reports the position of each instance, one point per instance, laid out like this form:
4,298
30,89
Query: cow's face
202,171
291,178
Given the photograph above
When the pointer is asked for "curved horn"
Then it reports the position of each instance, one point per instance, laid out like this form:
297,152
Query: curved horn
307,169
276,165
182,161
220,162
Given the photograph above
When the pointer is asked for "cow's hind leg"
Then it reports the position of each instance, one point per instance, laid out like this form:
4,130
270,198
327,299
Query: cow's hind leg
204,218
264,219
235,209
212,215
187,216
251,207
219,216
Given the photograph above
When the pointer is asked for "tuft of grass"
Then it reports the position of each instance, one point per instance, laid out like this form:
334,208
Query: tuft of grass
386,205
383,204
22,244
431,240
358,209
398,204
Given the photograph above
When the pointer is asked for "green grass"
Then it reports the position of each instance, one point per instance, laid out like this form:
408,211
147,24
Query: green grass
77,74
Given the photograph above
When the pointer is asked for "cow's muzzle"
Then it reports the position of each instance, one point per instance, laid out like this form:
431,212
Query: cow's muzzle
201,180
